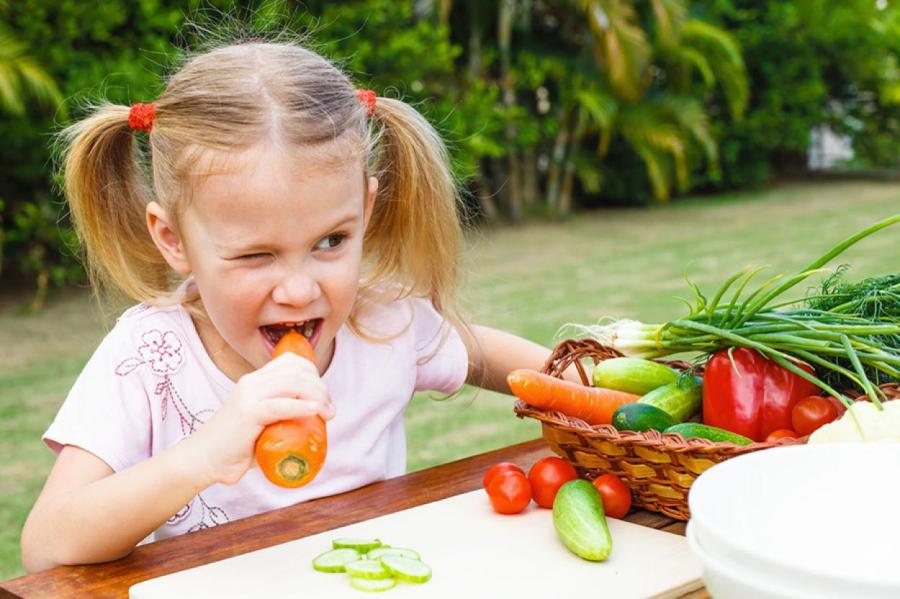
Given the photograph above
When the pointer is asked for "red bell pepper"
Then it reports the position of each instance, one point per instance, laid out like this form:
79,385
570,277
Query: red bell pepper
753,396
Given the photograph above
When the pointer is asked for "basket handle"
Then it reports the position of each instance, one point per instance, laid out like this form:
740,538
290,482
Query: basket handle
571,351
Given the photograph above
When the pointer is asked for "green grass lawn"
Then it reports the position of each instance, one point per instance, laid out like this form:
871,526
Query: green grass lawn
529,280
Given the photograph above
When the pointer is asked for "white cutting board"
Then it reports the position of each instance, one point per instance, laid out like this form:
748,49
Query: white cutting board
473,552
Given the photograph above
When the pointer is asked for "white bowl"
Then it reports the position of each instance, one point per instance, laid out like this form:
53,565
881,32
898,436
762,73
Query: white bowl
819,519
725,580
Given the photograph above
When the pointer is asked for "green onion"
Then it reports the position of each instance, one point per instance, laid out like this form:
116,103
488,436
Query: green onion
851,334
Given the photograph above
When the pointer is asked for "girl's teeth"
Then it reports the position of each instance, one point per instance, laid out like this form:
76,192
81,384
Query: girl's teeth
306,328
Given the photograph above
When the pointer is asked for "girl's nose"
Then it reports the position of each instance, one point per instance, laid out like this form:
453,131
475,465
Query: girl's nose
296,289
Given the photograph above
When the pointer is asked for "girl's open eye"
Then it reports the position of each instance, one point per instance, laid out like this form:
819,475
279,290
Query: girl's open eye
332,241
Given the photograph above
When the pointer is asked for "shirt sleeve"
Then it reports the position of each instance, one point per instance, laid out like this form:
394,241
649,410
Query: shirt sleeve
107,411
442,359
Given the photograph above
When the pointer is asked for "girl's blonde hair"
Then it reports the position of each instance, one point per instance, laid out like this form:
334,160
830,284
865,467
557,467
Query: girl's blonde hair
229,99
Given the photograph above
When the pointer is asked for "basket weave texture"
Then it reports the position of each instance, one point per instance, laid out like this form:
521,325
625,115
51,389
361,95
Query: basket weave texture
659,468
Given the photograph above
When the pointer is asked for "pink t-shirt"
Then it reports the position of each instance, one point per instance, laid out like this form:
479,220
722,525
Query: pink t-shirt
151,383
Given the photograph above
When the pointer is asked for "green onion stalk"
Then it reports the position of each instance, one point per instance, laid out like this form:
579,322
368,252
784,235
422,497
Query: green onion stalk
848,342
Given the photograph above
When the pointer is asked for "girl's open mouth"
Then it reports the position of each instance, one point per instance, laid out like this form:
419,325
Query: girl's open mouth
272,333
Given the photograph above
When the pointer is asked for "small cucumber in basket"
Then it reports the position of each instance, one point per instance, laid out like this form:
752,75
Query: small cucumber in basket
641,417
681,400
694,430
580,522
632,375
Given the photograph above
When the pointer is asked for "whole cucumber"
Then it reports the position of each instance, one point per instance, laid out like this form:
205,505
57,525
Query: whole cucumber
641,417
695,430
632,375
680,400
580,522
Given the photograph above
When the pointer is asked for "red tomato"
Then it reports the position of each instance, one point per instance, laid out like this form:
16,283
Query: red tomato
812,412
841,408
615,494
782,433
509,492
497,469
547,476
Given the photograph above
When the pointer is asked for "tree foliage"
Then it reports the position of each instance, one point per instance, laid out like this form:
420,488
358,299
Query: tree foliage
547,105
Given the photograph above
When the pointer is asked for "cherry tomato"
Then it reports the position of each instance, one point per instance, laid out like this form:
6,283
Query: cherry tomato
841,408
547,476
509,492
497,469
782,433
615,494
812,412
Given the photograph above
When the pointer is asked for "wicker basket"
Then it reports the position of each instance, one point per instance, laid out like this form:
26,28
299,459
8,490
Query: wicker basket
659,468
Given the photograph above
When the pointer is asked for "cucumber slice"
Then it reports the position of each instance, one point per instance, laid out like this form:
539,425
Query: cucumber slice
361,545
367,568
335,560
404,568
379,552
372,586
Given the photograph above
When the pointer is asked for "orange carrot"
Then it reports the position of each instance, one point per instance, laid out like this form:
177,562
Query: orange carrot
594,405
291,452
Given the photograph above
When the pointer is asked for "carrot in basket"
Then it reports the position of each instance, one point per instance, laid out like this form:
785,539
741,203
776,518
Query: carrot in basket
594,405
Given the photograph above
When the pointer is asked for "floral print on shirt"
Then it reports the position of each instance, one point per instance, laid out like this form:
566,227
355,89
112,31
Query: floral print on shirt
163,353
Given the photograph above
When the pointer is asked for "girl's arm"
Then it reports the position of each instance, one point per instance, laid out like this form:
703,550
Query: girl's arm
86,513
495,354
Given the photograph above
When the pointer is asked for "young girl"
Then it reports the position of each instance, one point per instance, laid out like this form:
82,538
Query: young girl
275,196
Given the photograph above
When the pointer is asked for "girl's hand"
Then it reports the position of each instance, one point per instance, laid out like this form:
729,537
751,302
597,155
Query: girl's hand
287,387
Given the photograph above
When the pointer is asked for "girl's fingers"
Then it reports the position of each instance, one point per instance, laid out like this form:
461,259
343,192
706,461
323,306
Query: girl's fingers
289,361
288,382
286,408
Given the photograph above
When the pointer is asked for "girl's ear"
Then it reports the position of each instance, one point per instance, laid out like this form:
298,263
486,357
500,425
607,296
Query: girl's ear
166,238
370,201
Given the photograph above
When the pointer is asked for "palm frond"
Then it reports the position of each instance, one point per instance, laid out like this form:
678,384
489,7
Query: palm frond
651,131
723,54
691,117
656,171
38,83
695,58
21,77
620,45
669,16
601,109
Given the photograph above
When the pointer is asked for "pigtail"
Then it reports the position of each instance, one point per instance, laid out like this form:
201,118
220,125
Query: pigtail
415,233
107,199
415,226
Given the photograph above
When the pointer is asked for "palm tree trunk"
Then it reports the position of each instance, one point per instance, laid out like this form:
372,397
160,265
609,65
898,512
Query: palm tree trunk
565,194
475,54
507,85
554,174
485,200
530,177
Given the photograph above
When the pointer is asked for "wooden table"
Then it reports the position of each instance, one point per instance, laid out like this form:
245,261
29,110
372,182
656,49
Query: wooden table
113,579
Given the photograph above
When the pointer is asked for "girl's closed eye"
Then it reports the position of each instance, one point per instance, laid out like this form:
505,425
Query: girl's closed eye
256,256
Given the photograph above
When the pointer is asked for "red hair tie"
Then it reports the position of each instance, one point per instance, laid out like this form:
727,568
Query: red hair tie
367,97
140,117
